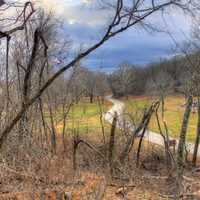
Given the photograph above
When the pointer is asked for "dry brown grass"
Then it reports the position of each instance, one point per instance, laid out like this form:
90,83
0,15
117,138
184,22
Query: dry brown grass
51,177
89,186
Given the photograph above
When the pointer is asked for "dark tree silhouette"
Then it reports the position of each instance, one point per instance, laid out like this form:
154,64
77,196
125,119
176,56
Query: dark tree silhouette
1,2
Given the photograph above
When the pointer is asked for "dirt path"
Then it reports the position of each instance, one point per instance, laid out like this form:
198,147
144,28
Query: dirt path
155,138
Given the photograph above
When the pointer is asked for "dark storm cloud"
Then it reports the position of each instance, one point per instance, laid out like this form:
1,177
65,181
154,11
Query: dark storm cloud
135,46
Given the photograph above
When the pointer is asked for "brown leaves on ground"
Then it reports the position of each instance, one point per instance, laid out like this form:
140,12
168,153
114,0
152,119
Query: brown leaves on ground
88,187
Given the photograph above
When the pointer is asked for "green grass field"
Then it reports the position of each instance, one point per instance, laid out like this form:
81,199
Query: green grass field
85,117
174,111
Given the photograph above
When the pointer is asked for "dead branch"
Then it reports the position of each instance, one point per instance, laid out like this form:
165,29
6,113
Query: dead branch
135,16
169,156
27,5
142,125
151,110
139,146
78,141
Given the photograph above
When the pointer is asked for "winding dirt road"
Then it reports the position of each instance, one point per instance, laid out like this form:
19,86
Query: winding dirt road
124,124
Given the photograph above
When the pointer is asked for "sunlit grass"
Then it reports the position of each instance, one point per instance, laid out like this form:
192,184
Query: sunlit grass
174,111
84,117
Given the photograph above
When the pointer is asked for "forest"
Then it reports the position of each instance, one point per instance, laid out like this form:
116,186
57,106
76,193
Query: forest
69,131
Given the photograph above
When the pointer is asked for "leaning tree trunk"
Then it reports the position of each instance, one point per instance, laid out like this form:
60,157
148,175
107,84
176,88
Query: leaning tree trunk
196,147
143,124
24,135
181,145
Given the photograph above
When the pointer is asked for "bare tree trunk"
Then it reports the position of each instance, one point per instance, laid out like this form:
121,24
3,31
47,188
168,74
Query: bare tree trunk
43,120
139,147
91,97
101,120
143,132
181,145
65,114
163,106
118,24
75,146
53,131
168,154
143,124
63,132
24,135
7,75
111,144
197,137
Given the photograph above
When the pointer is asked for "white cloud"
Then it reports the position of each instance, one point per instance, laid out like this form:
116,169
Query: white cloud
87,1
81,11
71,11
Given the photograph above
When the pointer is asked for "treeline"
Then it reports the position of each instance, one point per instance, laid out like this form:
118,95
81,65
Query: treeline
177,75
167,76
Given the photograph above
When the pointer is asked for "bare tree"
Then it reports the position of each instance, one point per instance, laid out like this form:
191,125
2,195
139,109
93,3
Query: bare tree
89,81
122,80
195,86
181,145
160,84
102,85
195,153
125,16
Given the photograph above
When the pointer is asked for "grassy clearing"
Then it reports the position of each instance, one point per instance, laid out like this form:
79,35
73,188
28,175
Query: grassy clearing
85,117
174,111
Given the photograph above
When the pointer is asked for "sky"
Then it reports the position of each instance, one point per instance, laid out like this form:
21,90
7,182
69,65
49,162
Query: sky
84,23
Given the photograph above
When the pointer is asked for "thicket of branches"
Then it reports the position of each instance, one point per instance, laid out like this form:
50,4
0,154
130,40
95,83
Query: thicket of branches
40,82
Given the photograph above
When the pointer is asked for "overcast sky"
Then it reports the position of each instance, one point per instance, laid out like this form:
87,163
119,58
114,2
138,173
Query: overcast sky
85,24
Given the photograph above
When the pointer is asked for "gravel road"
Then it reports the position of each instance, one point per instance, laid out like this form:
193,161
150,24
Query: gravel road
122,123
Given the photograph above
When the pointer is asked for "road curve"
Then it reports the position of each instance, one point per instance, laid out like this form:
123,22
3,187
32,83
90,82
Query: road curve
122,123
